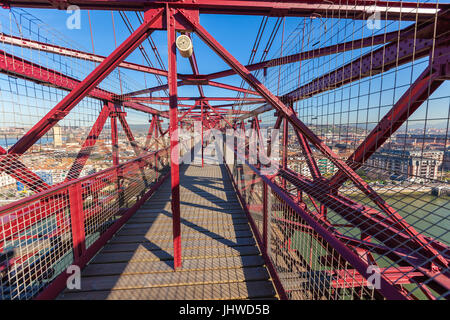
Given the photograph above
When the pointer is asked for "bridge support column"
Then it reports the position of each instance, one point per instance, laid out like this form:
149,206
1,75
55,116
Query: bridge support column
173,130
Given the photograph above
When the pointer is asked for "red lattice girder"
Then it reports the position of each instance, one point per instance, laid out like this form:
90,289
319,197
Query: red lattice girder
24,69
84,87
312,54
351,9
51,48
411,45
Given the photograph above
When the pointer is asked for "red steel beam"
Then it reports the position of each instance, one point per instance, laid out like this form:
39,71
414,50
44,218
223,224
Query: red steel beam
150,90
126,128
219,114
351,9
350,278
189,111
151,99
114,134
312,54
226,86
386,288
174,143
285,147
362,217
338,48
194,67
385,229
412,45
88,145
307,152
150,132
16,169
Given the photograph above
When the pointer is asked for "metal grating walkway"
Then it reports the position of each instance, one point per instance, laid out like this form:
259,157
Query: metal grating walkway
220,257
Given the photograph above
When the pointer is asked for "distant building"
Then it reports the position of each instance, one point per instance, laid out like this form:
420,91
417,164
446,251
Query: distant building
413,164
326,166
57,136
6,180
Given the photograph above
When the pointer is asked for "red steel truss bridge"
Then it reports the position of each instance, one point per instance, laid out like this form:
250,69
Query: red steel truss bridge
91,176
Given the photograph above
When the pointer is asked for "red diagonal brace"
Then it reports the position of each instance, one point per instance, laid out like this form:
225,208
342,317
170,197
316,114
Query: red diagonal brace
150,132
88,145
83,88
411,100
137,149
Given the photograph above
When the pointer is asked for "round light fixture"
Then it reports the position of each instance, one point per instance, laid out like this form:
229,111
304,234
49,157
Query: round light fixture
184,45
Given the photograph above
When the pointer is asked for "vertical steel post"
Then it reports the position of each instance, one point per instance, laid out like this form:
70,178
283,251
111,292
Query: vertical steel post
265,216
150,132
115,151
114,134
77,221
201,120
174,146
285,149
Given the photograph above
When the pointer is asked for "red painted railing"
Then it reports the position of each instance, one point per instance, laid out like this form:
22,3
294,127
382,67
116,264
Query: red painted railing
43,234
309,257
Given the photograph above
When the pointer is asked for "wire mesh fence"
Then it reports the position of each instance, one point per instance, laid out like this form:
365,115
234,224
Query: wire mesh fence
375,93
44,234
39,66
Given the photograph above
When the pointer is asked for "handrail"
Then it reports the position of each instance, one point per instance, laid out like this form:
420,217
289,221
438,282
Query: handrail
43,234
13,205
386,288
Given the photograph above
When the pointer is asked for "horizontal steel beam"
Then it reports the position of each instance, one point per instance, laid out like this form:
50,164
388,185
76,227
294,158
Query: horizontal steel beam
23,69
351,9
67,52
196,82
151,99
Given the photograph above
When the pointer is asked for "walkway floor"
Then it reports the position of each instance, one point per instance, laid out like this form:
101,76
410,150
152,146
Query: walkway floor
220,256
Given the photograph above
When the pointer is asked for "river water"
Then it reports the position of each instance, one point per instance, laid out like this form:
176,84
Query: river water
428,214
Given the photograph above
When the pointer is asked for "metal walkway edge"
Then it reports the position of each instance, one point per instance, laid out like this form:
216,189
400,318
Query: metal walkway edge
220,257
